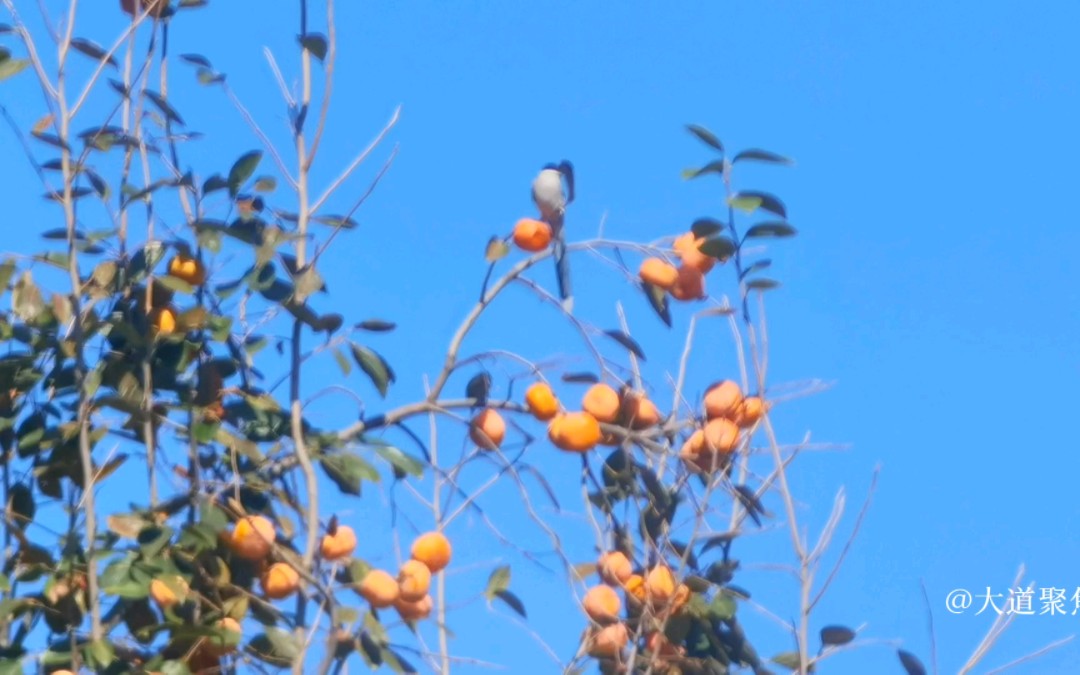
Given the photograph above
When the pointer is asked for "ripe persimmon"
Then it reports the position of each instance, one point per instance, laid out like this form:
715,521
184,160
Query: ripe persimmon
433,549
602,604
635,588
167,593
162,321
615,568
379,589
721,435
682,596
659,273
688,248
658,644
689,285
541,401
487,429
607,642
574,432
216,646
640,412
602,402
660,584
753,408
723,399
532,235
187,268
279,581
695,453
252,537
339,545
415,610
414,581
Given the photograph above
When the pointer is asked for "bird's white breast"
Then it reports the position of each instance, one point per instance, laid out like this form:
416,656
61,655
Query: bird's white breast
548,192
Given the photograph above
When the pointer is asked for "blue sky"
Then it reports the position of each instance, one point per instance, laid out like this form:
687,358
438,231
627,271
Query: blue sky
932,282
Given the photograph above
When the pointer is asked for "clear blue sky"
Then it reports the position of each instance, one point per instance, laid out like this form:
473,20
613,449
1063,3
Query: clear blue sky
933,281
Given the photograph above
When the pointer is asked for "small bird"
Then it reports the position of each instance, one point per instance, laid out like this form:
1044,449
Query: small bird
552,200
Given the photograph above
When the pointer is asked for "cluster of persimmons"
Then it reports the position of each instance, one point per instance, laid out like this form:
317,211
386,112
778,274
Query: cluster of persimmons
653,593
163,314
252,539
253,536
685,282
727,413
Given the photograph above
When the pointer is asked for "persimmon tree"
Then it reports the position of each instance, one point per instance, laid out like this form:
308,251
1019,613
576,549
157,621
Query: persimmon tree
172,318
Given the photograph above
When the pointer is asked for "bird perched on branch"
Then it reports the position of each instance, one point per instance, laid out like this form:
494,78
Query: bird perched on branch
552,200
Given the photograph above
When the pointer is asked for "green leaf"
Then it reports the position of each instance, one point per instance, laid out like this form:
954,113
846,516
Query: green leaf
174,668
626,341
761,156
496,250
213,184
161,104
512,601
348,471
762,284
7,270
316,44
275,647
715,166
498,580
336,221
770,203
100,653
706,227
756,267
705,136
153,540
242,170
20,505
12,67
374,366
744,203
206,76
912,665
98,183
373,325
346,615
93,50
342,361
720,248
196,59
14,606
658,300
788,660
11,667
581,378
776,229
265,184
722,607
399,460
836,635
285,643
176,284
306,283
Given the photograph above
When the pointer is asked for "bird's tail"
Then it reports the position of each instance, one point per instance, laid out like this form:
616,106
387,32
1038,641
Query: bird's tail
562,266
